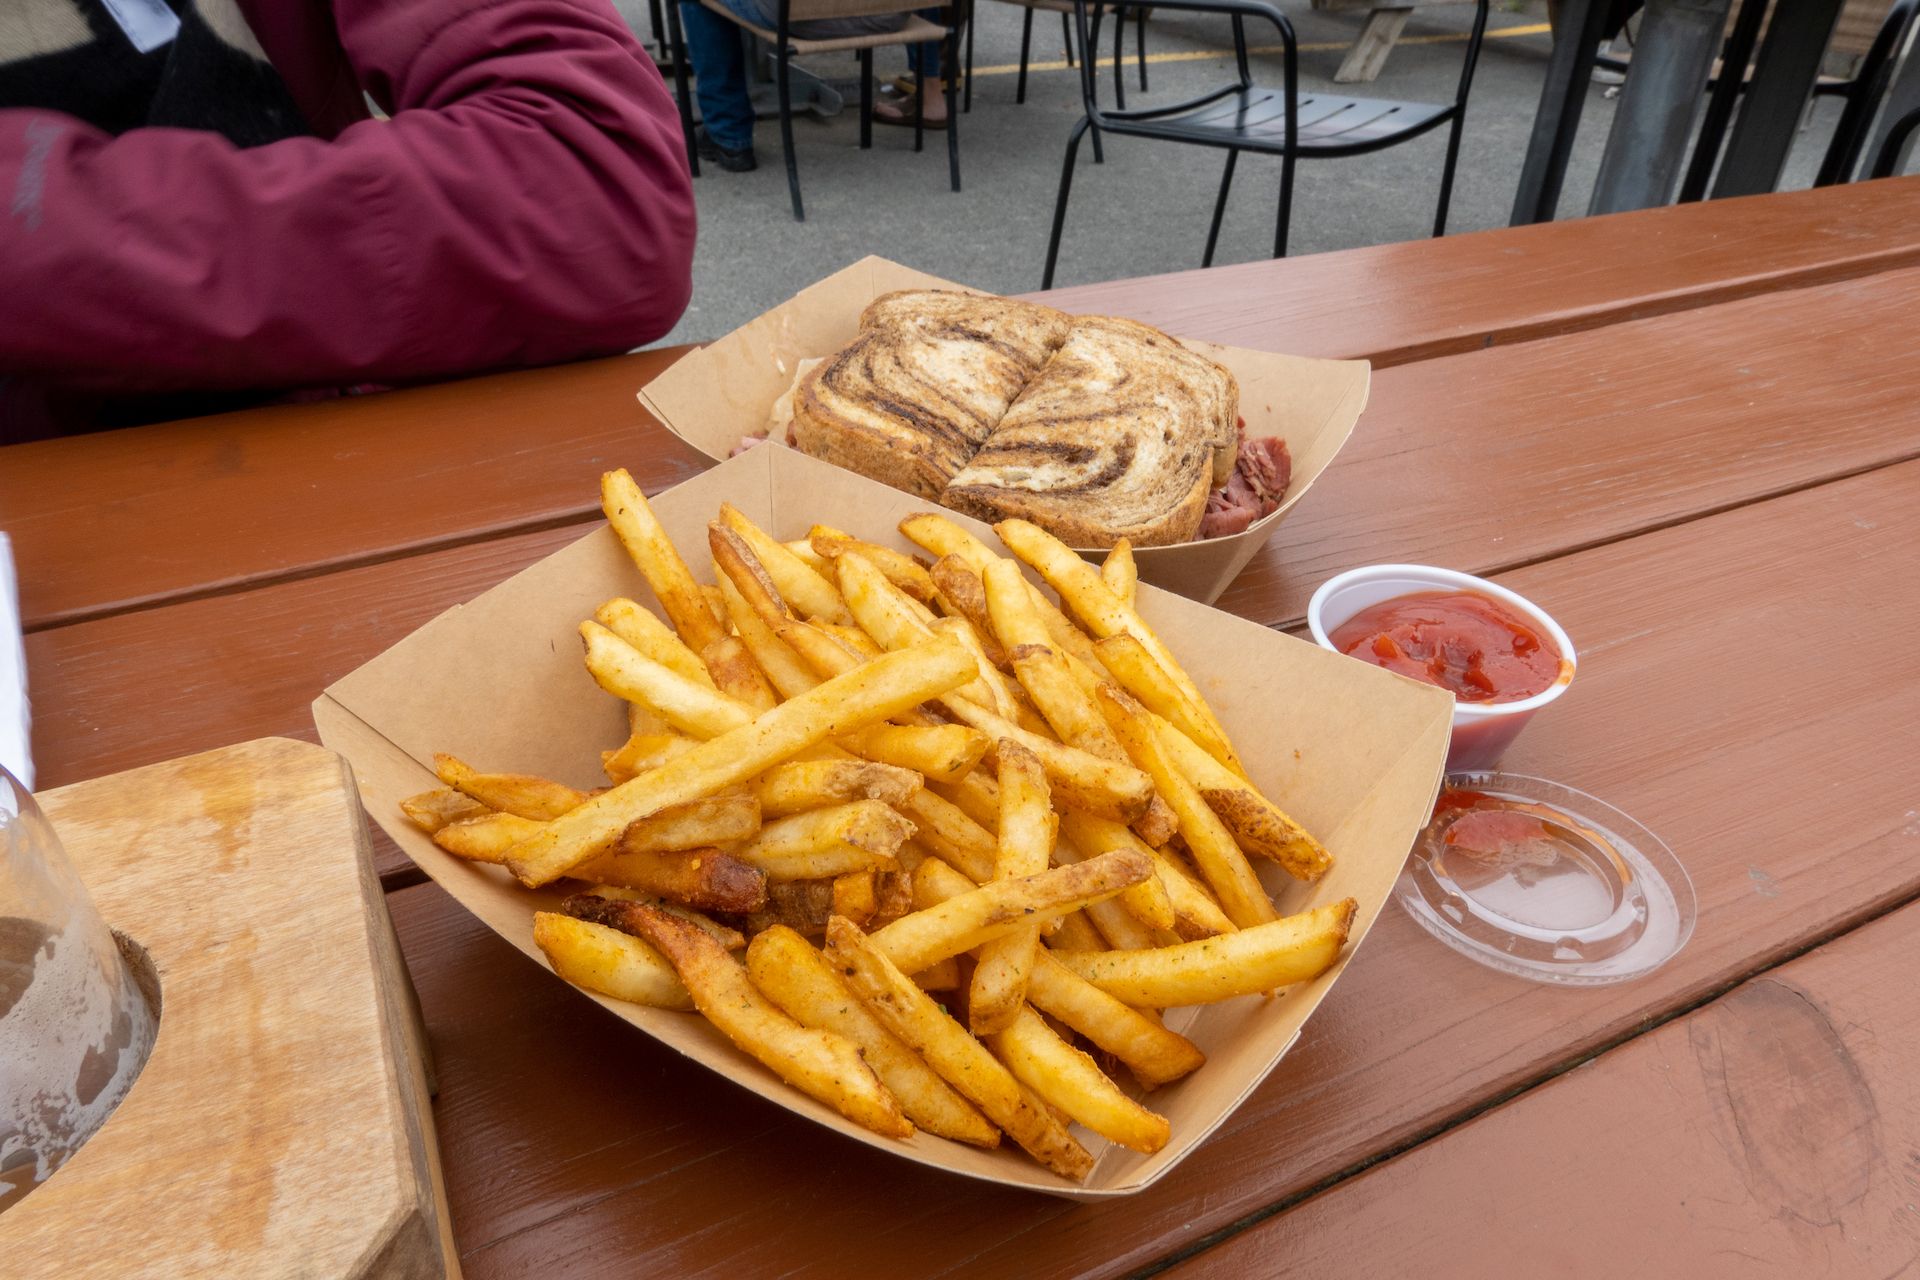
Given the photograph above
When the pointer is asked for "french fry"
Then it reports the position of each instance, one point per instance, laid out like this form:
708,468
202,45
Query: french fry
708,821
941,537
957,588
889,616
643,751
1076,933
789,676
885,687
1069,1079
1118,926
652,637
698,710
1135,671
792,974
942,753
1154,1054
1150,902
911,1014
878,605
820,1063
520,794
640,533
432,810
1080,780
799,785
950,835
852,639
861,835
902,570
802,905
485,837
1028,829
803,549
1119,572
993,690
705,879
800,586
642,722
607,904
1104,614
608,962
1003,906
1218,856
1261,826
737,675
977,795
1276,954
941,975
854,897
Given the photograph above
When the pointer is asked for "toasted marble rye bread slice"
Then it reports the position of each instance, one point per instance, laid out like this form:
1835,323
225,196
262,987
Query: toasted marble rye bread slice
1121,435
932,372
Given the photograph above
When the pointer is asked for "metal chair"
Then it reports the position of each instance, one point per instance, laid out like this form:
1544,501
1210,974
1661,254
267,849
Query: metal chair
787,46
1889,158
1861,92
1243,116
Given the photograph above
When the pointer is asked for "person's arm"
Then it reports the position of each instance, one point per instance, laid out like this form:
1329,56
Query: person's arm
528,202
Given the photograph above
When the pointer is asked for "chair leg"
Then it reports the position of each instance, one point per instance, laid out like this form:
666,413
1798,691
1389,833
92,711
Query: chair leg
681,90
786,136
1026,48
866,99
1220,206
1119,58
920,107
1140,45
1089,68
1446,175
1283,222
953,116
968,104
654,23
1066,37
1060,201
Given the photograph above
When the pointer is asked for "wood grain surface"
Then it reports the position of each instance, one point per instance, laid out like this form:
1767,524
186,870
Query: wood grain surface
1423,298
281,1125
1769,1134
108,522
1479,462
1687,695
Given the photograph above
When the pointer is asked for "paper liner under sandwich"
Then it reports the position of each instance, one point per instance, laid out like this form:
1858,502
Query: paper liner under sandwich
1354,752
713,397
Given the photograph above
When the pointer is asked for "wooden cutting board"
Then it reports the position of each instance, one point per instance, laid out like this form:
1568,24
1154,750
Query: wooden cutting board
281,1127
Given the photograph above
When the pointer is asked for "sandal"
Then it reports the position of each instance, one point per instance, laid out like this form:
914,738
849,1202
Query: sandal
900,112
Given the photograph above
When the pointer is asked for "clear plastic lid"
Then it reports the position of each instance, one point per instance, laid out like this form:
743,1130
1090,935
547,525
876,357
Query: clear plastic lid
1545,882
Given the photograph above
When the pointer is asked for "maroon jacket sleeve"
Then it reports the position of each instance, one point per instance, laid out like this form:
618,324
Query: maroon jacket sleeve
527,202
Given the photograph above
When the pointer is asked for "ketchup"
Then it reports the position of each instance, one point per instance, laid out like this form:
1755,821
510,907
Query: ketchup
1464,641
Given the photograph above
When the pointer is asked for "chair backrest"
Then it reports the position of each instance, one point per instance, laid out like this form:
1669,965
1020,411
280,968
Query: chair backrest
1259,11
814,10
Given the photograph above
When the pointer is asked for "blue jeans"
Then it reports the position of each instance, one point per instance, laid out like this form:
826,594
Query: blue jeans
720,66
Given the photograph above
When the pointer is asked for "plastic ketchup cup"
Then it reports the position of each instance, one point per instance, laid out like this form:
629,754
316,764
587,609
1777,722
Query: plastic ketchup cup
1482,731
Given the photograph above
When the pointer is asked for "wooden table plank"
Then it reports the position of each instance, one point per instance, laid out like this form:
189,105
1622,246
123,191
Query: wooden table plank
1481,462
293,490
108,522
1774,1132
1702,688
1423,298
1503,457
148,686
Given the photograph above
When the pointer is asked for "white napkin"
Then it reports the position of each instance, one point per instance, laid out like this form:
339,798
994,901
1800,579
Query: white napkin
13,675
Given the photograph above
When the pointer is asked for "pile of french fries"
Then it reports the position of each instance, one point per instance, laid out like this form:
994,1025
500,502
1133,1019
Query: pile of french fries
1015,829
